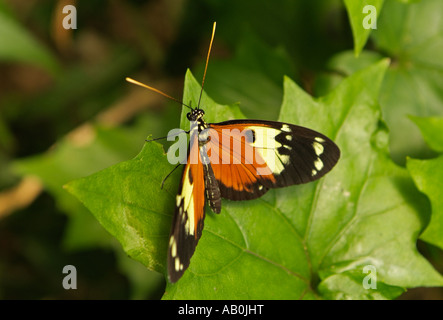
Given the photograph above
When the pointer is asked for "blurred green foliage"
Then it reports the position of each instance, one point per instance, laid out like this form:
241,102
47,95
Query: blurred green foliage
59,88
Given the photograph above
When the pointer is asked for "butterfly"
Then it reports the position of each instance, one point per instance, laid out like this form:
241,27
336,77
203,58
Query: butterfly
237,160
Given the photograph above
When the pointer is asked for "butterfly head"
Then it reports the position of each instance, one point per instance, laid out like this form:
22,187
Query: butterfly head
195,114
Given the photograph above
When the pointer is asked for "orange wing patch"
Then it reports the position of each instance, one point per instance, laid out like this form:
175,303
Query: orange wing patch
239,169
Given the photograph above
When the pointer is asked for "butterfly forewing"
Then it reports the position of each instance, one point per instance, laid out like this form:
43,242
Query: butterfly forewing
268,155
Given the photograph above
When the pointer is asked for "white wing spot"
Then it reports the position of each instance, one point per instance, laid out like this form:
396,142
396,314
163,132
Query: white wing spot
318,164
177,264
313,172
188,229
173,245
288,137
178,200
318,139
285,128
318,148
186,209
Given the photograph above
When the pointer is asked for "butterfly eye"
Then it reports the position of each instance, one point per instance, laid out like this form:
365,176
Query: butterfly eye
188,115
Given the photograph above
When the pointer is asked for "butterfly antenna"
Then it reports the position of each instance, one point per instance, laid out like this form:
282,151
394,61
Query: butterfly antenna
156,90
206,66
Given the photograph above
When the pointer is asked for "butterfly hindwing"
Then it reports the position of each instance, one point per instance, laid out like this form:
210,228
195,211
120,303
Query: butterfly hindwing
189,215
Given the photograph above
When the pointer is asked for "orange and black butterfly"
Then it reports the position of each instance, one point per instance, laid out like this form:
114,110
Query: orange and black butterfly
238,160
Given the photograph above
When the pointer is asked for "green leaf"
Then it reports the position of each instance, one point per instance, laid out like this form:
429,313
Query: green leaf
412,34
343,64
19,45
431,128
427,175
127,200
348,284
360,12
295,242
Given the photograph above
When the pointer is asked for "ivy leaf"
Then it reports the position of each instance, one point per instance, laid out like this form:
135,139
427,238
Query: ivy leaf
357,16
412,34
300,242
431,129
427,175
127,200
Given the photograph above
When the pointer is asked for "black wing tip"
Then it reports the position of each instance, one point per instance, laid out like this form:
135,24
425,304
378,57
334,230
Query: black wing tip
312,156
176,268
329,158
173,276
